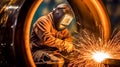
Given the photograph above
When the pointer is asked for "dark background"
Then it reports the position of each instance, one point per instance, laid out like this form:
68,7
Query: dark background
113,7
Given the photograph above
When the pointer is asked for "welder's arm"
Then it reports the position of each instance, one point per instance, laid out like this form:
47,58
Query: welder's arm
68,40
51,41
67,36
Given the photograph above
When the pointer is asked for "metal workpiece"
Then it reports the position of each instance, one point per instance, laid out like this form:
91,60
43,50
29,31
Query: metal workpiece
112,62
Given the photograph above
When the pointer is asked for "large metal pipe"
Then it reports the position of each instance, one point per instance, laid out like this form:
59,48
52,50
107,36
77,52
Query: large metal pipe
91,11
92,15
24,56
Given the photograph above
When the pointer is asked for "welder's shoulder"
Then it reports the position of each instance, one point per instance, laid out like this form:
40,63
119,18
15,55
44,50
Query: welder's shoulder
42,20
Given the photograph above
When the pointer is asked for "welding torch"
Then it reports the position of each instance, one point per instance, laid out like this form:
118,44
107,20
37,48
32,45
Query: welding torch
76,50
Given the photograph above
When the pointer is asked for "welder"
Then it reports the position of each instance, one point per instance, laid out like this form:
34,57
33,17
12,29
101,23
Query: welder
50,33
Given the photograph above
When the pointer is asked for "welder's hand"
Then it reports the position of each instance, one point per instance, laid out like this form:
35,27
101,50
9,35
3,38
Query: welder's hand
69,47
64,45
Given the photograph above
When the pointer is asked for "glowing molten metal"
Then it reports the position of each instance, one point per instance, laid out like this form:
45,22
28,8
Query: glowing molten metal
99,56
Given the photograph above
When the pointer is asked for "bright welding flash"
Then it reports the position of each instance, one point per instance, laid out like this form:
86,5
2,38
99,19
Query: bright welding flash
100,56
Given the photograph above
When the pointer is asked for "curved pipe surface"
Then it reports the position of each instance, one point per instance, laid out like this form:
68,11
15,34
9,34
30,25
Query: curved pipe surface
95,7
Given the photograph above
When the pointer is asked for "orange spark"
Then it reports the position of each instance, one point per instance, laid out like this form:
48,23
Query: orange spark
92,50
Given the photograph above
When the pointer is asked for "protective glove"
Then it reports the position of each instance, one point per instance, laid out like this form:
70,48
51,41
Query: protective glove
64,45
69,47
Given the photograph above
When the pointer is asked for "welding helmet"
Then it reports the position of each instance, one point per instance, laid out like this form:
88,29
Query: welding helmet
62,16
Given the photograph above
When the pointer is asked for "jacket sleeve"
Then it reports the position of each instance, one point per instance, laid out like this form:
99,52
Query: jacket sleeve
42,29
67,36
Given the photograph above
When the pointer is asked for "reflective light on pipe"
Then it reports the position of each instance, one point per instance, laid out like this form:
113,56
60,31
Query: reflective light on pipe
12,7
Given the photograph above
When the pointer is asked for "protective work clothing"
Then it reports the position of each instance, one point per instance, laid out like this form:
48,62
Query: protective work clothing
50,33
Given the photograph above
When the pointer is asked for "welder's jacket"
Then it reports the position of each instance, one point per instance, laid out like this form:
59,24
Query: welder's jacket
45,34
